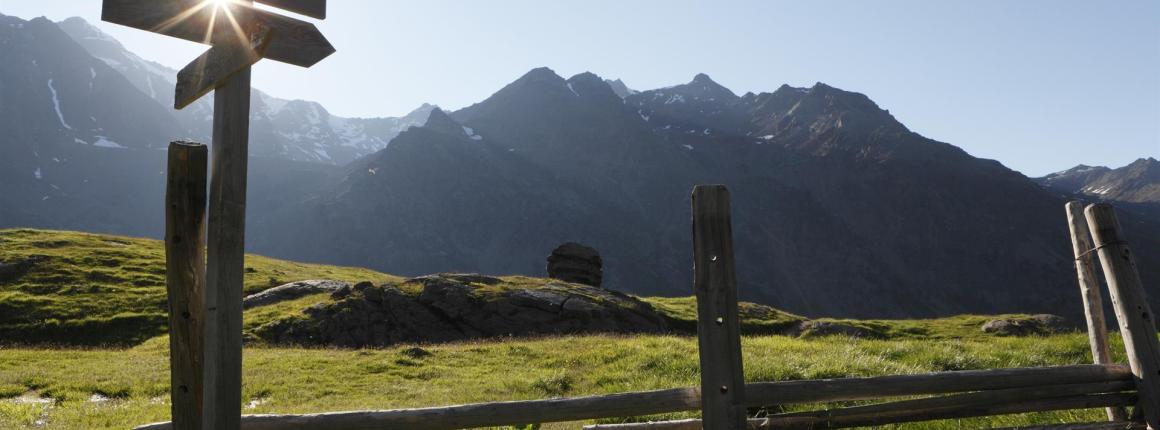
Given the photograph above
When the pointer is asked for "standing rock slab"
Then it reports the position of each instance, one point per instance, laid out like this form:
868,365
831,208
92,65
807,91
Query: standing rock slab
576,263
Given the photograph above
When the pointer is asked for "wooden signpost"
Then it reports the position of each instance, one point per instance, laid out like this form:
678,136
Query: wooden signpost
239,35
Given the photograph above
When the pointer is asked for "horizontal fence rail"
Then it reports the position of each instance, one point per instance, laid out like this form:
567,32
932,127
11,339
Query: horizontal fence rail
974,404
1096,377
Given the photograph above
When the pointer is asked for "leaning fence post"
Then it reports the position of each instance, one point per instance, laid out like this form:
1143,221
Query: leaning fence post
1132,310
185,198
718,325
1089,288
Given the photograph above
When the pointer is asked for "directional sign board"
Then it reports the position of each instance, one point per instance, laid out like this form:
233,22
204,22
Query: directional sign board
239,33
310,8
216,66
296,42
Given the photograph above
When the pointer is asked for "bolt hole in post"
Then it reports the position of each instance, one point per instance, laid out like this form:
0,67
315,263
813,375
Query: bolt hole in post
718,327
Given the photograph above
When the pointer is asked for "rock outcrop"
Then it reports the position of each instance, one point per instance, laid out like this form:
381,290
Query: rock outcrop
292,291
442,308
576,263
1036,325
810,329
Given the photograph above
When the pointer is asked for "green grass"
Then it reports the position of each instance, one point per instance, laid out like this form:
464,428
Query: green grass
110,290
282,380
100,290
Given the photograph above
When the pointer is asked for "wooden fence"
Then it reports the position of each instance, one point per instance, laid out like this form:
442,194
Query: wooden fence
724,397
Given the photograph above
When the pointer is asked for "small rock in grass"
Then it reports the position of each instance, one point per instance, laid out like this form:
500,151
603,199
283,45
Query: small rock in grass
1035,325
416,352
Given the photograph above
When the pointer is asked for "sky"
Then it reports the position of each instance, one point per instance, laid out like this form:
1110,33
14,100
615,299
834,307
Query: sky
1040,85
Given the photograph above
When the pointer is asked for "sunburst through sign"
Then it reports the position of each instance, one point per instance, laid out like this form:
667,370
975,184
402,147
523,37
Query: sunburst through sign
228,26
206,334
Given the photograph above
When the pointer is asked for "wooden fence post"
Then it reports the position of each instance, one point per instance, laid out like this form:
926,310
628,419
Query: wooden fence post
718,325
185,279
1089,288
1132,310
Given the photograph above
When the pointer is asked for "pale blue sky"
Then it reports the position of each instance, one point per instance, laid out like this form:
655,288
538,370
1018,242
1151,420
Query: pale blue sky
1039,85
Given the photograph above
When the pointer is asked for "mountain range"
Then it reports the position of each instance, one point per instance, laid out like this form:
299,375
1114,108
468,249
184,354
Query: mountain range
839,208
1138,182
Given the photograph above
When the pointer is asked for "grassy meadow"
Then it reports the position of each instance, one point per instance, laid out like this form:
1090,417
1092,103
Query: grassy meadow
82,346
120,388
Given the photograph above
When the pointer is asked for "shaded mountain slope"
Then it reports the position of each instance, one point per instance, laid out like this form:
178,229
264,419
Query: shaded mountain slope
839,208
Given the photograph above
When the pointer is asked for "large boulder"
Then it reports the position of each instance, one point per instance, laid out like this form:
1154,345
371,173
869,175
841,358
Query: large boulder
1035,325
461,307
576,263
292,291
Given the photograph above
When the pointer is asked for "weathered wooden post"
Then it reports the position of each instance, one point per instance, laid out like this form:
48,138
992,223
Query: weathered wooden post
1133,313
185,279
1089,288
240,35
718,324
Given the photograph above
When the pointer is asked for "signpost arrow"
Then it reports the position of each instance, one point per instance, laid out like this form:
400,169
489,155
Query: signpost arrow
217,65
203,21
310,8
240,35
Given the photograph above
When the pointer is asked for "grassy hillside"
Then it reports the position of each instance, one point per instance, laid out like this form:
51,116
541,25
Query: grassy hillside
99,290
110,290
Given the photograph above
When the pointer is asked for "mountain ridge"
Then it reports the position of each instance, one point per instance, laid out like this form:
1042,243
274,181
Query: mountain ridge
839,209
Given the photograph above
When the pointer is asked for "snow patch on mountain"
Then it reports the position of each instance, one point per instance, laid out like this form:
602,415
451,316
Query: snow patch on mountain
56,104
471,132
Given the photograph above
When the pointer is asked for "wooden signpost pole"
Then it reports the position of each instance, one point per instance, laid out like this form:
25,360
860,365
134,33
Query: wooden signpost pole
226,252
241,35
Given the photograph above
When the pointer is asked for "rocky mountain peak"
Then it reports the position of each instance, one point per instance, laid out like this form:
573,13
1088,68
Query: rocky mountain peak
590,85
77,26
540,75
1145,164
702,86
441,122
620,88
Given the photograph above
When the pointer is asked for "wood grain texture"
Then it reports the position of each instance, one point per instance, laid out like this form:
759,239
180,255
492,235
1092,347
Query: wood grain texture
718,324
975,410
847,389
1111,425
1090,292
185,200
298,42
695,424
689,424
226,251
1137,325
684,399
960,405
483,414
216,66
311,8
